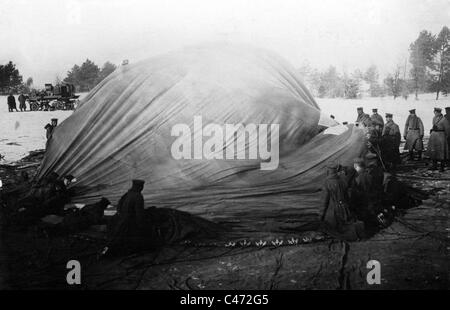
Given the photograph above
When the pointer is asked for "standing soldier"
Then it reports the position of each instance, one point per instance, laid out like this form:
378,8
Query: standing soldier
49,128
377,118
125,230
12,103
337,219
391,142
363,118
413,135
22,105
437,146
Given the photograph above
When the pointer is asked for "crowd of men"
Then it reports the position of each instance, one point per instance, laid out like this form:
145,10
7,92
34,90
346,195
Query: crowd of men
360,199
385,138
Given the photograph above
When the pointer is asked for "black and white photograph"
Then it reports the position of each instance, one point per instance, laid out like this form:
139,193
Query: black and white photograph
215,147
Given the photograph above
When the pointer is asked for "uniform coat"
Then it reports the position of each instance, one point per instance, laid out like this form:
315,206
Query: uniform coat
22,100
438,145
413,133
127,225
391,142
336,215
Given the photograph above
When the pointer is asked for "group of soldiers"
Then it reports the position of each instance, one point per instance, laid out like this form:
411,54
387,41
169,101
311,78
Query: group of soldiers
12,103
358,200
385,138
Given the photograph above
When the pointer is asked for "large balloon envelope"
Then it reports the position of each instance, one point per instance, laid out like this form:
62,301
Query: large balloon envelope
122,130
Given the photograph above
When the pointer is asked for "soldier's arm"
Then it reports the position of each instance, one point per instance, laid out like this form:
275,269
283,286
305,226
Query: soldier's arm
405,132
421,129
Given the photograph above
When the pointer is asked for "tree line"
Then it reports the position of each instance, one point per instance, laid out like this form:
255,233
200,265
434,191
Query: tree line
87,75
84,77
429,58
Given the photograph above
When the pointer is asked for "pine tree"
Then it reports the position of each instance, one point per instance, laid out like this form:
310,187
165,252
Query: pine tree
442,49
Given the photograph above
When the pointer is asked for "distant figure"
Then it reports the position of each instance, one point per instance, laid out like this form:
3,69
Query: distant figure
438,144
363,118
391,142
336,216
12,103
413,135
377,119
22,105
128,224
51,127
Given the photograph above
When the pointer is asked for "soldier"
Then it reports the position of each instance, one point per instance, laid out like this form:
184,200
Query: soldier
391,142
336,216
12,103
413,135
49,128
22,105
377,118
363,118
437,145
361,190
126,228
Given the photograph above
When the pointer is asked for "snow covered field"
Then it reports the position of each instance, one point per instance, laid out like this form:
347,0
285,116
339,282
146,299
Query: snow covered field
24,132
345,109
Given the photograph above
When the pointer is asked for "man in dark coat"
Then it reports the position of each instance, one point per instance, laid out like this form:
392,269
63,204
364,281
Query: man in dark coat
363,118
12,103
391,143
377,118
49,128
438,144
22,105
336,216
413,134
362,197
127,226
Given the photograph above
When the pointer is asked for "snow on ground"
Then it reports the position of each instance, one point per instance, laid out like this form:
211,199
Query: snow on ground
345,109
24,132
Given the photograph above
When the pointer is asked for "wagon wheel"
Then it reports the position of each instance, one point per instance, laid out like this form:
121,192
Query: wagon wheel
34,106
60,105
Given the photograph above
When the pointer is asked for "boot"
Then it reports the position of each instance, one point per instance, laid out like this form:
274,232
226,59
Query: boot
411,156
442,166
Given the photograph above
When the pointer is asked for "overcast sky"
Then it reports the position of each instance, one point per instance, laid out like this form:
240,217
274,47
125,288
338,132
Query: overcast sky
47,37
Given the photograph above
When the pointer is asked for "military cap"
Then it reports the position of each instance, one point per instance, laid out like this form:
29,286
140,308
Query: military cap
374,110
389,115
412,111
359,109
437,109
